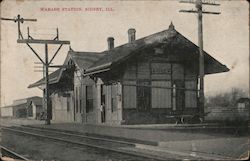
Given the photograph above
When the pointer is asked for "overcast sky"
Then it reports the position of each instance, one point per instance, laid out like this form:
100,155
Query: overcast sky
225,36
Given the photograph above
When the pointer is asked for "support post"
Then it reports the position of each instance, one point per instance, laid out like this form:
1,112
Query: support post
200,12
47,101
98,102
201,57
18,27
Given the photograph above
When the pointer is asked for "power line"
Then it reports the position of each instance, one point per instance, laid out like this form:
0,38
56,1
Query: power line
203,3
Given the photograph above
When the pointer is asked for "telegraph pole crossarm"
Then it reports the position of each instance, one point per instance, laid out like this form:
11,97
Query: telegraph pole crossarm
60,66
19,20
204,12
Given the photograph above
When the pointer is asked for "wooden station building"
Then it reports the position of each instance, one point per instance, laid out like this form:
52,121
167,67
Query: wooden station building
141,82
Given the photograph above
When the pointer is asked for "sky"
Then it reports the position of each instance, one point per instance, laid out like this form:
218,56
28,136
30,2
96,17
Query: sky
226,36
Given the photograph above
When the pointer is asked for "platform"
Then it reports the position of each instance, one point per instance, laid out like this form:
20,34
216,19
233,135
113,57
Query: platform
188,140
169,138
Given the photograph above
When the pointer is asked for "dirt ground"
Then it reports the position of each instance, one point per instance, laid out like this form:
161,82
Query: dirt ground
227,143
42,149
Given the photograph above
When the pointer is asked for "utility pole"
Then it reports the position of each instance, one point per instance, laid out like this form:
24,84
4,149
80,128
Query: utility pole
200,12
43,71
46,62
19,20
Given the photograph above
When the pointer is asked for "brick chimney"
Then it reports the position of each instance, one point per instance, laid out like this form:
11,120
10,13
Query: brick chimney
110,43
131,35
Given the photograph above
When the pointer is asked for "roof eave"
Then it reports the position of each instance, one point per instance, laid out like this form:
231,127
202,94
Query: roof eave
219,71
97,71
52,81
98,68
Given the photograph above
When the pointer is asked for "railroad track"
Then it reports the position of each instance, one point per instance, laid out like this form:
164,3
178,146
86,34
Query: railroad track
5,152
80,140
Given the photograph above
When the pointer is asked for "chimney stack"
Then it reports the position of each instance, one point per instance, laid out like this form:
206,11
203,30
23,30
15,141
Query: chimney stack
131,35
110,43
171,26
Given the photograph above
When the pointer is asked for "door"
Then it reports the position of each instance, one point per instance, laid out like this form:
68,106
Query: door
103,103
78,104
178,95
143,95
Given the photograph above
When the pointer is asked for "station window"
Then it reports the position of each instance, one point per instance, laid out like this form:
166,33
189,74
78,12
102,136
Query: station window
30,110
143,95
113,98
89,99
68,103
80,99
76,99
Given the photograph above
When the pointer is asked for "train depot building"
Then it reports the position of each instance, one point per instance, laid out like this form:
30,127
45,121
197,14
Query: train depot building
144,81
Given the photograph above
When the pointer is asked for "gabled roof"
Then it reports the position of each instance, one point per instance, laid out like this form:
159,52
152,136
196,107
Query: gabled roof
53,78
27,99
123,52
81,59
37,102
7,106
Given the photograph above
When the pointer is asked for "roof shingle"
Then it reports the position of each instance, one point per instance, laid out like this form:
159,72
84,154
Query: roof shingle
168,36
82,59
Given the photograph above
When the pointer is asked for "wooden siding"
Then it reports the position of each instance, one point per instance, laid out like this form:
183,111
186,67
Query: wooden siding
190,73
113,114
114,97
129,93
162,73
190,96
60,109
80,99
143,70
178,71
160,70
92,115
161,97
108,100
143,95
6,111
130,72
77,89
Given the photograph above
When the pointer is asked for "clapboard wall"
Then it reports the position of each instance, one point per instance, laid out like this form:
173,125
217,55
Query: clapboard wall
153,86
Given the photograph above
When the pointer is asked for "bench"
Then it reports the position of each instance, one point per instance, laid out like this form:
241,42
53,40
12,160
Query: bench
185,118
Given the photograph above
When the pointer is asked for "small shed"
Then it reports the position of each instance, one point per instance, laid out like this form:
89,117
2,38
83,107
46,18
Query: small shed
243,107
243,103
7,111
34,107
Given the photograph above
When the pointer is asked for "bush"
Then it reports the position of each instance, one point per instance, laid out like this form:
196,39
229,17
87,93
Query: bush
227,99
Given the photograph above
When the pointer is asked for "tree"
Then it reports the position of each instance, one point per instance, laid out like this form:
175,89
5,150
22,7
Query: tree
226,99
